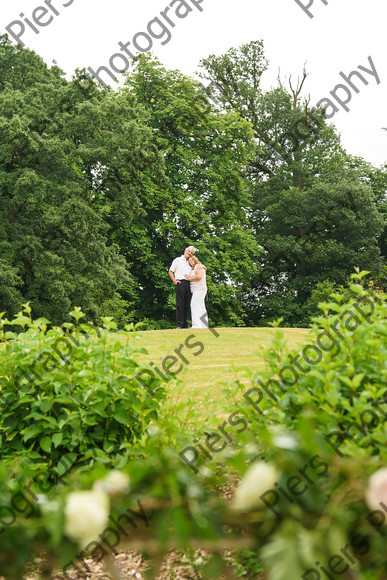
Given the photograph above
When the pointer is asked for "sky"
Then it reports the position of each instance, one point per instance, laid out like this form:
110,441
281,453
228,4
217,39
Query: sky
329,37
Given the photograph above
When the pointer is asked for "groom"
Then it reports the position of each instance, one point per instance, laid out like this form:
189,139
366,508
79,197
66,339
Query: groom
178,269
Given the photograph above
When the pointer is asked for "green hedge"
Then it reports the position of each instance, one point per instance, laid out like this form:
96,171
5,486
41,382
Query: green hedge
73,390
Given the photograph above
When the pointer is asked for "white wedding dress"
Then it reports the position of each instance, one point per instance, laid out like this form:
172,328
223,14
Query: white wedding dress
199,314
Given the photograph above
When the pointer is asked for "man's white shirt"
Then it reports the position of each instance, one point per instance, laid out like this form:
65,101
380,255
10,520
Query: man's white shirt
179,267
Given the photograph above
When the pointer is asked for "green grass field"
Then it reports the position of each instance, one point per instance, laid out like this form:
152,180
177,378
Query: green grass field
218,361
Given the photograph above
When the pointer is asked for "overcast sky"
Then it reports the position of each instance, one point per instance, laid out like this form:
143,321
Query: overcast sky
340,37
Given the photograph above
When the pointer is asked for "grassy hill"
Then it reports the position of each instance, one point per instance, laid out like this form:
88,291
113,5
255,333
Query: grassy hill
219,354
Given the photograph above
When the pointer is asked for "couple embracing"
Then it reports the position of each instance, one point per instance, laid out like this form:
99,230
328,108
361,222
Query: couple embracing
189,276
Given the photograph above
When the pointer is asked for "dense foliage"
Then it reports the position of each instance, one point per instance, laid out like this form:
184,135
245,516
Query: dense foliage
330,406
316,211
305,499
203,200
70,156
72,391
100,189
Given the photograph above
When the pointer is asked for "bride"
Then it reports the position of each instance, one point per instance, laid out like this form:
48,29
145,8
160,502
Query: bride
199,290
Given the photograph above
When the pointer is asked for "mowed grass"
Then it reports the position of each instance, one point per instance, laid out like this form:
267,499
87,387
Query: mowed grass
222,358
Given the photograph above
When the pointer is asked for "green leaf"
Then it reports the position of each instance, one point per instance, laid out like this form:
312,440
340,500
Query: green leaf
32,431
21,320
57,439
120,461
45,444
121,416
45,405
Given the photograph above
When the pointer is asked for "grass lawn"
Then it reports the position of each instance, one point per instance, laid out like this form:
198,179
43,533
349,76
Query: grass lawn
234,348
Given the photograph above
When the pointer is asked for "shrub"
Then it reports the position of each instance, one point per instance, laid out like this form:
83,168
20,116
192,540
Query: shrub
323,426
73,390
315,515
321,293
343,375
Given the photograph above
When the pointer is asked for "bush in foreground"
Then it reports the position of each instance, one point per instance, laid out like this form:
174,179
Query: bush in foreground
73,391
304,505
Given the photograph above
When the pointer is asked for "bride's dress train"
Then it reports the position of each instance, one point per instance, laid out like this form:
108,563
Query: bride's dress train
198,310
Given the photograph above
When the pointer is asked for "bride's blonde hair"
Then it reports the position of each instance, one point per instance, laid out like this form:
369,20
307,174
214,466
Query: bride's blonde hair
197,261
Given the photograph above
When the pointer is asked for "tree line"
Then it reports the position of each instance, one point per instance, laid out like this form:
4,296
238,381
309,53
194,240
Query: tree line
101,188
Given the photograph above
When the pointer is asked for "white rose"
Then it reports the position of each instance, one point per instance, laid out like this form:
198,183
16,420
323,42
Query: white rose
47,506
285,442
259,478
86,514
377,489
115,482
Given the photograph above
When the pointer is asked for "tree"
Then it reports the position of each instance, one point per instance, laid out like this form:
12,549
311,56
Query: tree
292,139
314,215
203,200
71,156
309,237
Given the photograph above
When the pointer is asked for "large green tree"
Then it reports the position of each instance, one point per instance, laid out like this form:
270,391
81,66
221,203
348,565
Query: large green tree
72,157
101,189
313,211
203,200
317,235
293,141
